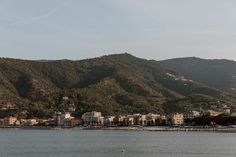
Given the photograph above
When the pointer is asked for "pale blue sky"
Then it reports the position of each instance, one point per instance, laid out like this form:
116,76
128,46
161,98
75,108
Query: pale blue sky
153,29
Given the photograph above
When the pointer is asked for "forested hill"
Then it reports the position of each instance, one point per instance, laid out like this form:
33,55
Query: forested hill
218,73
112,84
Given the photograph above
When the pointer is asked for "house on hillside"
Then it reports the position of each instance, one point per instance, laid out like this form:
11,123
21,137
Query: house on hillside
214,113
191,114
233,114
226,109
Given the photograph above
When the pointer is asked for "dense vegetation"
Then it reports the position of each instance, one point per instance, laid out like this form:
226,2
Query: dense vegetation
222,119
112,84
219,73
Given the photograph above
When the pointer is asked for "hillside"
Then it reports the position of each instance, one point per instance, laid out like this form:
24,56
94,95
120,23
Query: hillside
112,84
219,74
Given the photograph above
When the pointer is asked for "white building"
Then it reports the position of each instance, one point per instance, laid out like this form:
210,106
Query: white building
233,114
139,119
128,120
93,118
31,122
151,118
109,120
63,117
226,109
191,114
177,119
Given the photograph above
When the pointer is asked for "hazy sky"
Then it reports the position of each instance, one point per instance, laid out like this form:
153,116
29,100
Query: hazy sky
153,29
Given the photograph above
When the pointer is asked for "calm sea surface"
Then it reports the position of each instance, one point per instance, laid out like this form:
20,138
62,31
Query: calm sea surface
89,143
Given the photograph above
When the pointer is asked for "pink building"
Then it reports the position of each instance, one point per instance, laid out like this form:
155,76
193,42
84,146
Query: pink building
10,121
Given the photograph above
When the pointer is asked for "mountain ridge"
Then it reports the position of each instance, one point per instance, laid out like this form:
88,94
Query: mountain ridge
113,84
217,73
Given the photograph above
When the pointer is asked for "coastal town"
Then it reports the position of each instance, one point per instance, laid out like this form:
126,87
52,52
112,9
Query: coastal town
96,119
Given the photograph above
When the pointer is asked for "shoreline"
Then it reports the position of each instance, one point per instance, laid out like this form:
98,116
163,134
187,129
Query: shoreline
171,129
151,129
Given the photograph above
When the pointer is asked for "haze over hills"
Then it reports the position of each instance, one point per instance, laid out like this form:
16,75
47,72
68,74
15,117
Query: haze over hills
112,84
217,73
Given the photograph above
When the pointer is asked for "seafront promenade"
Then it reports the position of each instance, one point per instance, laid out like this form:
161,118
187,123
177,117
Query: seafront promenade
168,129
226,129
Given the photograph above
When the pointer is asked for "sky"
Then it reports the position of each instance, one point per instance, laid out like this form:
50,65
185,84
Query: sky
151,29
